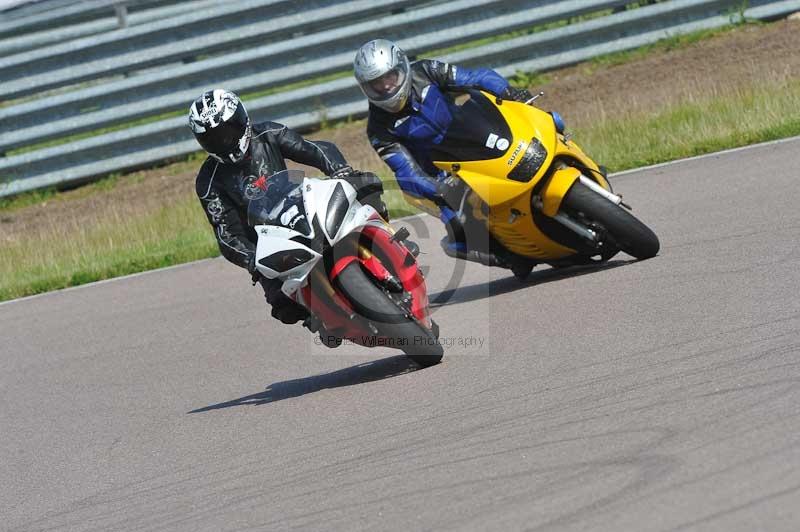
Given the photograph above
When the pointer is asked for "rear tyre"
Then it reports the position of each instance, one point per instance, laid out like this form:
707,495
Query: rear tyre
628,233
370,301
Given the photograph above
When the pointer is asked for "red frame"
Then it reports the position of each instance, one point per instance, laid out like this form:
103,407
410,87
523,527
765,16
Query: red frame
337,318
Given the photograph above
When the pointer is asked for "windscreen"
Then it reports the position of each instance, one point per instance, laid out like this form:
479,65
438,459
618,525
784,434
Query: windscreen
478,131
284,207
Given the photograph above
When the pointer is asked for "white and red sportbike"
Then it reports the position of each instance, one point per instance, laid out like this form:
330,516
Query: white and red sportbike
346,265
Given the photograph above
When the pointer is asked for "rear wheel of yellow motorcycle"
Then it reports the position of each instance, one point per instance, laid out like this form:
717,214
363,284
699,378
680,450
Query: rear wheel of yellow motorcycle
376,305
628,233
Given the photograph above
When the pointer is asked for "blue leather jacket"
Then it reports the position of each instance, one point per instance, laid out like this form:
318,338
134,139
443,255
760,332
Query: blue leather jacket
404,139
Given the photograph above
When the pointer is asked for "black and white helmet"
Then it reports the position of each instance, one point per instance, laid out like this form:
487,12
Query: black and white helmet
220,124
384,74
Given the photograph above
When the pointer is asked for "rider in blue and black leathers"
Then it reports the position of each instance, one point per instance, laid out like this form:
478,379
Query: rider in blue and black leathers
409,112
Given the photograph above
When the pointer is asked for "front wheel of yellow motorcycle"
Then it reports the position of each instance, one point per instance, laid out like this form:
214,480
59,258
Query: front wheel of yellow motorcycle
628,233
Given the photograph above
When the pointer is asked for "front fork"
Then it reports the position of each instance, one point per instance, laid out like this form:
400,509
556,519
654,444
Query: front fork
549,202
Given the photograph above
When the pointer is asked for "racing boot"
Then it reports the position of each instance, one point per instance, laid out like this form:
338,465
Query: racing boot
284,308
455,243
458,250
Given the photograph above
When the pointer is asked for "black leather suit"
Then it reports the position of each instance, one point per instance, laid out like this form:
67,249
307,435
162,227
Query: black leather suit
225,189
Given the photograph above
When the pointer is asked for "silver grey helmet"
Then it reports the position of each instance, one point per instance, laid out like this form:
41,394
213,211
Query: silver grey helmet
384,74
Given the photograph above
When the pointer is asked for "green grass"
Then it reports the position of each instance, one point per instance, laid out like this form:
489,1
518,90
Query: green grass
71,256
157,237
27,199
747,116
180,233
76,255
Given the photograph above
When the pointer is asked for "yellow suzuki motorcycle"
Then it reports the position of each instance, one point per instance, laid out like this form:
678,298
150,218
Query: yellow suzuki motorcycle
530,194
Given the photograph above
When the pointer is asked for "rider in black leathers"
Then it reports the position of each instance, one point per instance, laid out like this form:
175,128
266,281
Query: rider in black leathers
243,157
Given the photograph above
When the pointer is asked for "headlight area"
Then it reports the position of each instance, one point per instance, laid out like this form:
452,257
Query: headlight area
531,162
286,260
338,206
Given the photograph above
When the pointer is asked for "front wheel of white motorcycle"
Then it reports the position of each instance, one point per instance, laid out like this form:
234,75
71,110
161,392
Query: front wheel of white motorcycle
391,321
631,236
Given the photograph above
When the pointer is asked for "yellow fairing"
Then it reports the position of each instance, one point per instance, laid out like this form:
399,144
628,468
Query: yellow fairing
509,217
556,188
525,123
519,233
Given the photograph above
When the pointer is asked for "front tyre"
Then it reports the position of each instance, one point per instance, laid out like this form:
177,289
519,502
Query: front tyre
391,321
628,233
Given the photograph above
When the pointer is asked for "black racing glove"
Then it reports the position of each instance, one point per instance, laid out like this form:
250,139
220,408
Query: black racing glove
518,95
343,172
365,183
368,187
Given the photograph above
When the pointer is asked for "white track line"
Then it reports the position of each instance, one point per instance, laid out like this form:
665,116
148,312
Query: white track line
618,174
706,156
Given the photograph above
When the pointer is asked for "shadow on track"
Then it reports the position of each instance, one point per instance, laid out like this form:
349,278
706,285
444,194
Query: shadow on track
475,292
360,374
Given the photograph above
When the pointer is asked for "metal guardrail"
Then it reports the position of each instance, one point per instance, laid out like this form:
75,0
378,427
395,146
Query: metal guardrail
12,9
109,22
281,21
304,108
430,27
33,17
138,47
24,8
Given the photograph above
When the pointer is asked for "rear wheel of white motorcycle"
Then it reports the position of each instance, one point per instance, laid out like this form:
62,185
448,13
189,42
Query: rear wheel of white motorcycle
391,321
630,235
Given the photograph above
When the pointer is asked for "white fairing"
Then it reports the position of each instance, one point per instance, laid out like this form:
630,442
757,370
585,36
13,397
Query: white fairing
316,196
274,238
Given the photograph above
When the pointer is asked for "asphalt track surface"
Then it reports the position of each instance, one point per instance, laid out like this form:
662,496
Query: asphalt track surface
650,396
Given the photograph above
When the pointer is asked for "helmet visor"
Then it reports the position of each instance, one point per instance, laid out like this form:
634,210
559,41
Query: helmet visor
387,85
